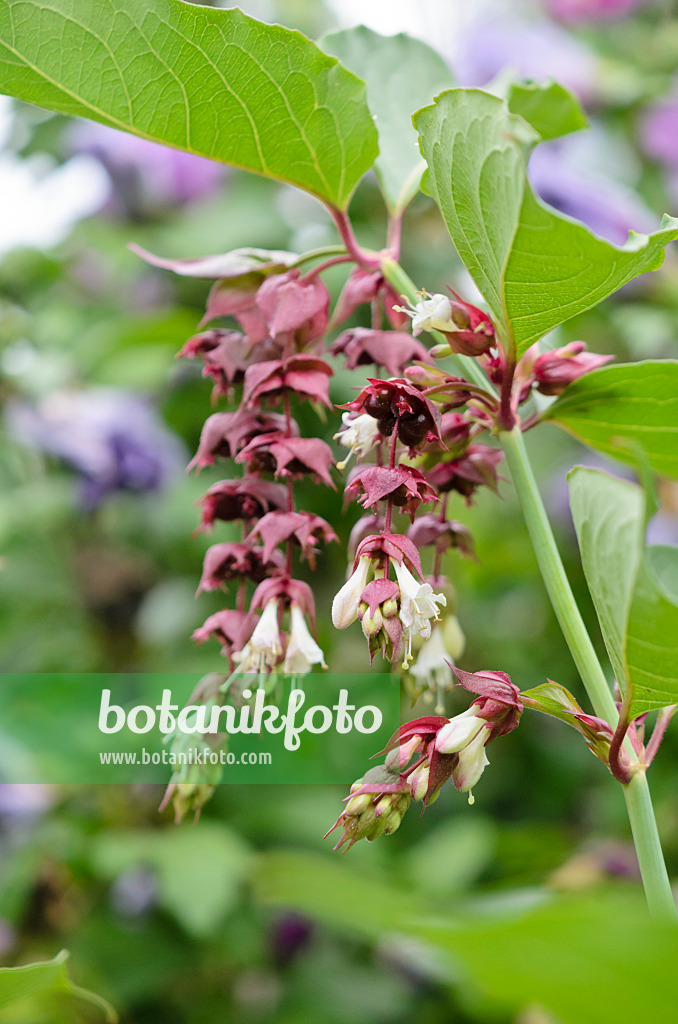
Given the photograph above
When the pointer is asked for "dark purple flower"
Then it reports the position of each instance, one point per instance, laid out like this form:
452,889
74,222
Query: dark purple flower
113,440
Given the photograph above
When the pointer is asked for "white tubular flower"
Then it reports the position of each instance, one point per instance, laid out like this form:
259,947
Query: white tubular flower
264,647
361,435
459,732
472,763
345,604
302,650
418,605
430,313
432,666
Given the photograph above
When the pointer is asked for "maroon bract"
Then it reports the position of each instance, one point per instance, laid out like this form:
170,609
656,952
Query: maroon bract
363,286
226,433
305,376
391,545
378,613
475,331
287,591
231,628
476,468
365,527
305,528
241,499
235,560
394,350
442,534
291,304
238,298
455,430
553,371
499,700
289,456
404,486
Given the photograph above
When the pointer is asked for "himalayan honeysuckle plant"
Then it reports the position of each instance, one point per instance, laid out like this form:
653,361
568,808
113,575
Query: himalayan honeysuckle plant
453,381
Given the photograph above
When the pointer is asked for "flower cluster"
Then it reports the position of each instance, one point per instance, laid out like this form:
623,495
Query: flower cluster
424,754
270,363
421,449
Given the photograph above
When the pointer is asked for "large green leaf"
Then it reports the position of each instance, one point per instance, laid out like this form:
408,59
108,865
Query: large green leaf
45,982
608,516
548,107
554,952
635,592
401,74
621,410
535,268
212,82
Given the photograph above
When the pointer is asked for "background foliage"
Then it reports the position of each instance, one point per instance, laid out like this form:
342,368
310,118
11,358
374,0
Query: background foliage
246,915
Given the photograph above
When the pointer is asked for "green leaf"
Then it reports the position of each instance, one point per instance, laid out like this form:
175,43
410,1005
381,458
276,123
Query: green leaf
652,646
634,592
548,107
212,82
200,868
662,561
608,516
619,409
401,74
535,268
546,951
49,979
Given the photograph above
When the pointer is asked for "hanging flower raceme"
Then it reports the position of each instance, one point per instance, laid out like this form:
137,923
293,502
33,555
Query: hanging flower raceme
424,754
365,286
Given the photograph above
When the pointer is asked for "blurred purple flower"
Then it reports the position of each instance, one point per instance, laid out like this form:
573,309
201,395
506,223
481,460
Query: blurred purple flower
663,528
146,174
607,206
529,49
114,440
659,135
134,892
24,800
591,10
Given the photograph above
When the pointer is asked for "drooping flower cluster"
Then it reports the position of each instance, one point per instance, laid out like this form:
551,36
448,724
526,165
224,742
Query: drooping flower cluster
424,754
273,362
414,437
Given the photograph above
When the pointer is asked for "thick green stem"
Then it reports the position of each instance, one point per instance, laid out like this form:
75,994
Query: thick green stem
649,849
636,792
553,573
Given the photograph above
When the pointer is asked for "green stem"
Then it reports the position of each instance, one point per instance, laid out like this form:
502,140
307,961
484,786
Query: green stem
649,849
636,792
557,584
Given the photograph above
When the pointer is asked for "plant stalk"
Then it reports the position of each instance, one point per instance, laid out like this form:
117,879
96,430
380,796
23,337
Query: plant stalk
636,791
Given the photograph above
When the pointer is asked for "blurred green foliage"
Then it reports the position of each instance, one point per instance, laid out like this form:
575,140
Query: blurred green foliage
166,923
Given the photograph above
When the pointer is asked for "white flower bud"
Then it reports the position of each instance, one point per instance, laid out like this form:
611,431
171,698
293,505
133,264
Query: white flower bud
459,732
472,762
345,604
